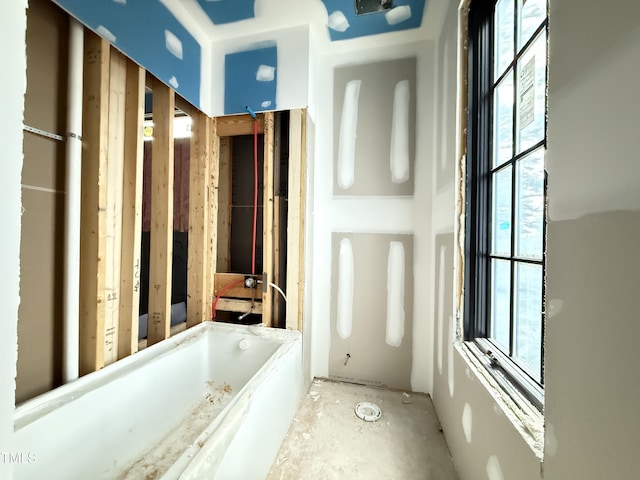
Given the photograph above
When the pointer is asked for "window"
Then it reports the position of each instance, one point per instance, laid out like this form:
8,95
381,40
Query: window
505,189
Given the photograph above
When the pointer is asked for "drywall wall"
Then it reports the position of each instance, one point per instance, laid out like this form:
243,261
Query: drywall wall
376,213
592,87
592,395
265,71
592,428
375,128
43,189
372,309
13,24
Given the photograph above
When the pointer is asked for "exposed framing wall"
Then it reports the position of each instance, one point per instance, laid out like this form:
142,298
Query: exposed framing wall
244,300
111,211
112,208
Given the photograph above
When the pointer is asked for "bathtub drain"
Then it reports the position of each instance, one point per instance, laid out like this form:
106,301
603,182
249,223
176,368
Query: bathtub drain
369,412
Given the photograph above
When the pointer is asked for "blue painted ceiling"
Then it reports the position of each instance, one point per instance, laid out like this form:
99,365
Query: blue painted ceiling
149,33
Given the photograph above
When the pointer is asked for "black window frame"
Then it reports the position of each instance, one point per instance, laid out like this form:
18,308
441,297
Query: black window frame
478,198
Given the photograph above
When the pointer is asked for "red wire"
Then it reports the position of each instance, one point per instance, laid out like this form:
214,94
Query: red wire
215,302
255,219
255,195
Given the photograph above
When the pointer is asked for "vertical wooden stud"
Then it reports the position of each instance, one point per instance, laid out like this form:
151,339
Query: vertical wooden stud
131,212
213,192
198,306
94,200
161,247
115,168
296,219
278,240
224,203
267,242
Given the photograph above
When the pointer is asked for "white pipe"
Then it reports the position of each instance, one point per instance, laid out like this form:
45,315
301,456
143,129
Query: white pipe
71,308
273,285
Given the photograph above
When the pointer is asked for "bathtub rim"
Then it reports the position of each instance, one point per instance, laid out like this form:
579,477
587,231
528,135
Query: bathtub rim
33,409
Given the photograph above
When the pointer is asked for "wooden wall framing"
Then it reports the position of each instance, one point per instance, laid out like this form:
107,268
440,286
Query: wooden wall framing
272,243
203,206
113,91
93,202
161,247
131,213
111,211
296,219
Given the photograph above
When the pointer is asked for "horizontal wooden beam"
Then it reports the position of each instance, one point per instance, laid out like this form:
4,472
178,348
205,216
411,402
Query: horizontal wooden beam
222,280
239,306
233,125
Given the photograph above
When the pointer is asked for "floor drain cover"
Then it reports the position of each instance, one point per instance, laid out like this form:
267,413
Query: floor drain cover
369,412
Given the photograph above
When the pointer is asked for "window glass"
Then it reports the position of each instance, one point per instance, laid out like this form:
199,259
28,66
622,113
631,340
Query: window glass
504,31
528,317
531,95
529,223
501,218
503,121
501,303
531,13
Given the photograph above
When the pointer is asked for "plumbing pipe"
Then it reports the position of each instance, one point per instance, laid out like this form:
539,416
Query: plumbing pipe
279,290
274,286
222,292
251,112
71,306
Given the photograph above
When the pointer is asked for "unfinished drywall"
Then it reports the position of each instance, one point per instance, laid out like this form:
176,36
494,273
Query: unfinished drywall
13,24
267,71
374,213
591,423
592,372
347,20
152,37
372,309
43,189
593,426
593,82
375,127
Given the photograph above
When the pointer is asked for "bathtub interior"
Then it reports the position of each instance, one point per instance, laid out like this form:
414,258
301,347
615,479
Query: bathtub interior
128,419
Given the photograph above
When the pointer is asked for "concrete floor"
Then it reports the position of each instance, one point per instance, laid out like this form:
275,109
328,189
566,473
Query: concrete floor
328,441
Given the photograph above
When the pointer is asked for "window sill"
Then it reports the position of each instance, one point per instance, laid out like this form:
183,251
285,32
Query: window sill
525,417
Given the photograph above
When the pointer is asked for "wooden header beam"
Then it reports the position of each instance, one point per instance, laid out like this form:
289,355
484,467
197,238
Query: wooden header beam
223,280
233,125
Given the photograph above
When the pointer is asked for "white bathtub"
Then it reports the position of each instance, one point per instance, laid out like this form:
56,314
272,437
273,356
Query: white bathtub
196,406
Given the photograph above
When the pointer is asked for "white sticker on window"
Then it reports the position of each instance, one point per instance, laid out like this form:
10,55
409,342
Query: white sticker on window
527,93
